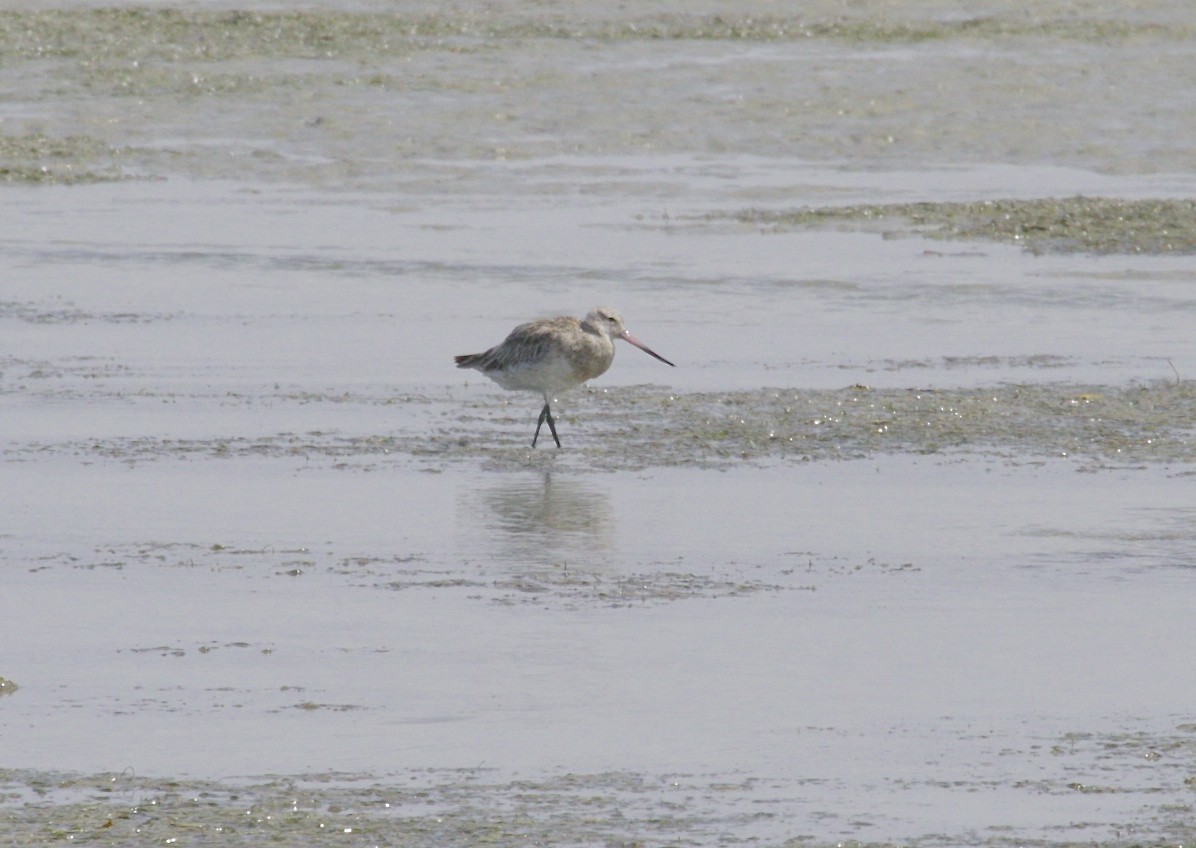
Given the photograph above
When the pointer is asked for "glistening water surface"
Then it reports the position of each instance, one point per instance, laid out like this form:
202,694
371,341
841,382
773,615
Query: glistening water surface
856,638
902,551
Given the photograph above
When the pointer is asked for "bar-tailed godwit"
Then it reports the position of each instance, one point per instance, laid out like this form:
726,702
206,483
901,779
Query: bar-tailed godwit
553,355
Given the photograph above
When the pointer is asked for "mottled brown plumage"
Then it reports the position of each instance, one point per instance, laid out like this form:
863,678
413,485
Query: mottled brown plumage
553,355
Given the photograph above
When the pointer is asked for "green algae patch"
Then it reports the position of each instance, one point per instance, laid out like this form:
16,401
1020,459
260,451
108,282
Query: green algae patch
1078,224
40,159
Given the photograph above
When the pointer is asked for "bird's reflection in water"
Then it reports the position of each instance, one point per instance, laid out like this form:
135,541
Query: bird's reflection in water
542,520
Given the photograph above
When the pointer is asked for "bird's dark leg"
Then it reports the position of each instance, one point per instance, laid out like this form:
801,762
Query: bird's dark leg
552,425
546,415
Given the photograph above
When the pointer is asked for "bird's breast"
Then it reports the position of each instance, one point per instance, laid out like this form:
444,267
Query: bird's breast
591,358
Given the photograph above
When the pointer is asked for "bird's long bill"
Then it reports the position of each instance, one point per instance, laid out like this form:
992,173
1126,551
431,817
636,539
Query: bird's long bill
627,337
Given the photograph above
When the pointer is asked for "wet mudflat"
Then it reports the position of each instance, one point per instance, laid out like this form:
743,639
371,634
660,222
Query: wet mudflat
853,646
900,553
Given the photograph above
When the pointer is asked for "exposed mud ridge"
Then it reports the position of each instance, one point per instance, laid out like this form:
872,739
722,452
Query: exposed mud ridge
180,33
643,427
1099,424
436,807
1053,225
424,808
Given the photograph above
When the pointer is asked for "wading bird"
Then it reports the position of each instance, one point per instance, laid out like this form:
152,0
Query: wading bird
553,355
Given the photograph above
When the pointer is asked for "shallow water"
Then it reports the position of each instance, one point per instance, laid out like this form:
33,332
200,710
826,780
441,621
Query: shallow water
901,551
863,638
